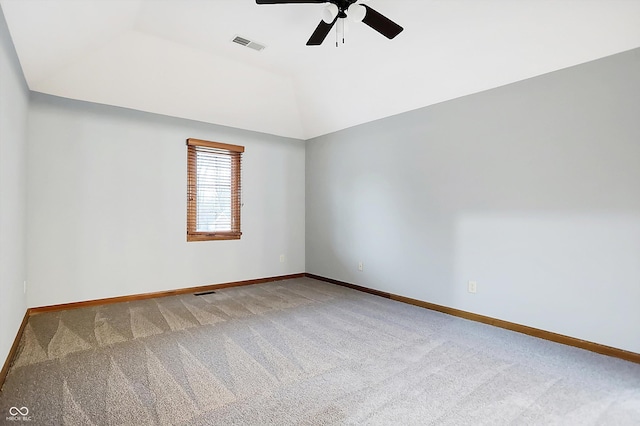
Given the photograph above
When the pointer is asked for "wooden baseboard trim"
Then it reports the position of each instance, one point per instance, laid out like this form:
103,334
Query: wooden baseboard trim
133,297
14,349
531,331
353,286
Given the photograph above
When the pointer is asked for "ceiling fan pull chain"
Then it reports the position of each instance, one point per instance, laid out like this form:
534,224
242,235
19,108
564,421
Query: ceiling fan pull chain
340,31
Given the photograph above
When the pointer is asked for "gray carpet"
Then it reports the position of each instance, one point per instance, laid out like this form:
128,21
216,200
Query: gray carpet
303,352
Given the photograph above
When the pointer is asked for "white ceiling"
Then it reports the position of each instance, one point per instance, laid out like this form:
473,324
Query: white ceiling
175,57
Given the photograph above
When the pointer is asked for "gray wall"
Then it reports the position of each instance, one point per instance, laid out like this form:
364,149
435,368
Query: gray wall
532,190
107,204
13,167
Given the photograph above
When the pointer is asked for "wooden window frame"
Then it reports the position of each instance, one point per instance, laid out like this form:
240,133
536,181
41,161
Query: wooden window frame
235,152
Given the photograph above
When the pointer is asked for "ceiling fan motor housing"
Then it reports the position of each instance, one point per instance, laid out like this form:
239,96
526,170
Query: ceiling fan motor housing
343,5
342,9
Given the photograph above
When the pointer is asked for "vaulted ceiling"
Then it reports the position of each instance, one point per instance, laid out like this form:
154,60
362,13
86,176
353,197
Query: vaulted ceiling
175,57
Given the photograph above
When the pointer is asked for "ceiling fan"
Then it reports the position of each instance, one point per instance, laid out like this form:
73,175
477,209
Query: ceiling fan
337,10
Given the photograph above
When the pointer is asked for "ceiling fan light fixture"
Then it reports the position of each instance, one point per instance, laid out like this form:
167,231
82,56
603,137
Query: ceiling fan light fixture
356,12
329,13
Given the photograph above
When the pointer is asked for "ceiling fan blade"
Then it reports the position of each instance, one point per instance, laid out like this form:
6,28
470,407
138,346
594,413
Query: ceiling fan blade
289,1
321,33
381,23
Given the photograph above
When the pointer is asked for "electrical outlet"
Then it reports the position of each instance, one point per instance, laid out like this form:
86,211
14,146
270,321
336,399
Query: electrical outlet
360,266
283,258
24,286
473,287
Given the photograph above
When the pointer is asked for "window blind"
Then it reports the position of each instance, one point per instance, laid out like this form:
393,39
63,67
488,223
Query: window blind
214,190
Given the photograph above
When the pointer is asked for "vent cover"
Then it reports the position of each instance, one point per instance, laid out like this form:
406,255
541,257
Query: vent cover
248,43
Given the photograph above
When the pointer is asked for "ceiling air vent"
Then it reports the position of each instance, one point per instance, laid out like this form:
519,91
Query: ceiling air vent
248,43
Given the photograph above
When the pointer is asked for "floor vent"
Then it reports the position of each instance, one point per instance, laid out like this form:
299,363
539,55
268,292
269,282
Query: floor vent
248,43
203,293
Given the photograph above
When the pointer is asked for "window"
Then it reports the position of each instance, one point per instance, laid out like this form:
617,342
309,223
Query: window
213,190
